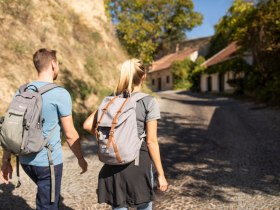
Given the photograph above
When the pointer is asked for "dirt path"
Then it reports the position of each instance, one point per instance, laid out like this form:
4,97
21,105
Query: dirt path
218,153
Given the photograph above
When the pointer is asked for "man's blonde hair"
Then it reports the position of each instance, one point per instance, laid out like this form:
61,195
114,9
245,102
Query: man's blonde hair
131,74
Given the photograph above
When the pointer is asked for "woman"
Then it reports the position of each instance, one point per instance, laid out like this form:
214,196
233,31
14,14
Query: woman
125,186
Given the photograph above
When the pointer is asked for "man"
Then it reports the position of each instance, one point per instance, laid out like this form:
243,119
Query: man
57,114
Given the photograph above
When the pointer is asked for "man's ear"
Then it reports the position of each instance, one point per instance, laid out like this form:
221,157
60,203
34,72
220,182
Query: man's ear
53,63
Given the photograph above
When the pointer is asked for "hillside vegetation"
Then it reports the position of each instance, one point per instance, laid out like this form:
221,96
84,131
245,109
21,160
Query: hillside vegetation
88,52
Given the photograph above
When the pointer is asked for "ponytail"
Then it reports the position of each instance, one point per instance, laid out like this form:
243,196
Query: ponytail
131,74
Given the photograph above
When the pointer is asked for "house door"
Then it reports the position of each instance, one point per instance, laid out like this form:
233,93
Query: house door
209,84
159,84
221,82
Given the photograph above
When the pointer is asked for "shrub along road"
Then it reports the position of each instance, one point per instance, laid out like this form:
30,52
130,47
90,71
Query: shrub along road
218,153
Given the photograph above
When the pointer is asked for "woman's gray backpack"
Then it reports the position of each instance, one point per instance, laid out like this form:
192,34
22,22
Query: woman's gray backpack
21,128
116,130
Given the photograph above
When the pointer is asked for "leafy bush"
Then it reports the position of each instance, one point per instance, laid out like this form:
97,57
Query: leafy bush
195,74
180,71
187,73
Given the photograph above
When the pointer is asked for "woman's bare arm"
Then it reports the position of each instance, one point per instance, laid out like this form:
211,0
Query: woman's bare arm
90,122
153,147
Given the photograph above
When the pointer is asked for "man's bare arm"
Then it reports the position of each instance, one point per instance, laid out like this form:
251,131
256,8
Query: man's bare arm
72,138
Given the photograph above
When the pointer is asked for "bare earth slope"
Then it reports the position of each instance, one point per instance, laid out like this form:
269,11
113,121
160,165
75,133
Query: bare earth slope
78,30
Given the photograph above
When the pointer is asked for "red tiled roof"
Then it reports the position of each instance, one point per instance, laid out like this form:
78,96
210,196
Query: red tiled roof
221,56
166,61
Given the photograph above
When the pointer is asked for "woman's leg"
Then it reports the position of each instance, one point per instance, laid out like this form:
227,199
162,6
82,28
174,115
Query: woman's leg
146,206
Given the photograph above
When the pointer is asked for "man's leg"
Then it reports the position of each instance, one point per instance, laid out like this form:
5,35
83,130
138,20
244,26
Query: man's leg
41,177
29,170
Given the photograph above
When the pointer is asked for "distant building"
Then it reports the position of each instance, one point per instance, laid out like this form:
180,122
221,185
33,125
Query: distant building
160,75
218,82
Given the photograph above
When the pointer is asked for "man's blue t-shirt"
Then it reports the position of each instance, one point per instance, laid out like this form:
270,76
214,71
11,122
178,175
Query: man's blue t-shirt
56,104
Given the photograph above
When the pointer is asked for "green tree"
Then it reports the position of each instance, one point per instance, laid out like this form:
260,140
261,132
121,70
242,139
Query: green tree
263,40
233,26
263,36
144,26
256,28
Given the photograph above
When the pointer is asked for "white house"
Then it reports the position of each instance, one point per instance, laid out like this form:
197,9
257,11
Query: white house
160,75
218,82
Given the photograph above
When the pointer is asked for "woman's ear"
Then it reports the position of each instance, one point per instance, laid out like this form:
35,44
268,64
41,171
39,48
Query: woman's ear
144,77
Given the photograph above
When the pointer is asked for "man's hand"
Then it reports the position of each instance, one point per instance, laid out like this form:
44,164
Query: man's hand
6,171
83,164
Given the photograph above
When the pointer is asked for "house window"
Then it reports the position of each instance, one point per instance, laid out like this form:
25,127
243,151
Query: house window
167,79
153,81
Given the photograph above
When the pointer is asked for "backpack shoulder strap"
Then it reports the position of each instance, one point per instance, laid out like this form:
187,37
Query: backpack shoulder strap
138,96
47,88
22,88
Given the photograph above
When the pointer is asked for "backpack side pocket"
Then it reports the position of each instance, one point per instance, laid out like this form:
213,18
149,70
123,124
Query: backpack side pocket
12,131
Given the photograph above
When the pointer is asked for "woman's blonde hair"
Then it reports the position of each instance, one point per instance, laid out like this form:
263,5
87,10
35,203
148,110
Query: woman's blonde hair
131,74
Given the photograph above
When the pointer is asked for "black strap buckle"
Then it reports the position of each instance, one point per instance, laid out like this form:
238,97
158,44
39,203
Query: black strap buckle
2,119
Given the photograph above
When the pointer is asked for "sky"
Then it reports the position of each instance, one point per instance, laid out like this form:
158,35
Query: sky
212,11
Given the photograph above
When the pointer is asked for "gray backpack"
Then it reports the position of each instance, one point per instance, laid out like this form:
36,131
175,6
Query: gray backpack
21,128
116,130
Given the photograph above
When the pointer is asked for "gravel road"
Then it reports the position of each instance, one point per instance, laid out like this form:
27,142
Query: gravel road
218,153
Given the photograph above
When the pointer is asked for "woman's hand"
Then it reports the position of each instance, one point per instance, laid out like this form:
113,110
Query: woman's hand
162,183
